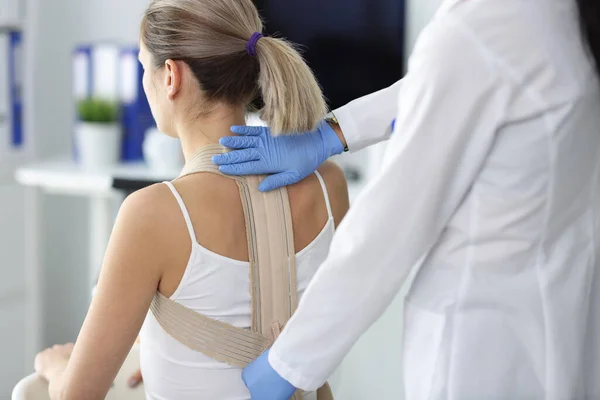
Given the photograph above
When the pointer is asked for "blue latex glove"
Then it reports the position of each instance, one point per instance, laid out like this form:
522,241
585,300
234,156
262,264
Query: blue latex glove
290,158
264,383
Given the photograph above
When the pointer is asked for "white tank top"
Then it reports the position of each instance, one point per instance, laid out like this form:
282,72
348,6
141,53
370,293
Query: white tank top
218,287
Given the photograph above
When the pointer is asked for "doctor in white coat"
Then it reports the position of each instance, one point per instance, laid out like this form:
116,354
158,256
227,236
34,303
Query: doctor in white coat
491,183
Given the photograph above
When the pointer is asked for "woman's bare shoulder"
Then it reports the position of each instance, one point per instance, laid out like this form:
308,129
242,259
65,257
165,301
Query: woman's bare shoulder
149,205
154,212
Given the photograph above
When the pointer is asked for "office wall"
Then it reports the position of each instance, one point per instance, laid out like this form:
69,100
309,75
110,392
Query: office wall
12,288
419,14
61,24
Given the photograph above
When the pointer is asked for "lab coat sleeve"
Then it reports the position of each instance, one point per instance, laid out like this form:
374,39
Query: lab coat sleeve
367,120
452,103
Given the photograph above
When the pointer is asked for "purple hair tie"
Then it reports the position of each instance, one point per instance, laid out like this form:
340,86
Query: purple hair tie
251,46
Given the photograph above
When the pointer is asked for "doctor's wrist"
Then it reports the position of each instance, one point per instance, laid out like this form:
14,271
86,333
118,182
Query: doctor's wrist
333,137
338,131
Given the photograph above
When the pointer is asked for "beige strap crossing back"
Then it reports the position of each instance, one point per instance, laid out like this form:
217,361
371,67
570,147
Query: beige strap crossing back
272,279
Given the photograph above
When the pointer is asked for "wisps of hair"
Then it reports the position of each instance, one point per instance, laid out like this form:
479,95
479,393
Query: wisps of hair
589,15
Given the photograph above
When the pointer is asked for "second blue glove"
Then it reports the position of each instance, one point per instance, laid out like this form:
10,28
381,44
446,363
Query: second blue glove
264,383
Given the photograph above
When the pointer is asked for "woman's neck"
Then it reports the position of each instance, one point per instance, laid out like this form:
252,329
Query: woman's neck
208,129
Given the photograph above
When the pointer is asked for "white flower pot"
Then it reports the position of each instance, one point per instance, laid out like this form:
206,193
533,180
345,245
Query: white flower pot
98,145
162,153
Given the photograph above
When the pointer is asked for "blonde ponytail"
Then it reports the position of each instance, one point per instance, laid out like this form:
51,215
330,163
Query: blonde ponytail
293,99
213,38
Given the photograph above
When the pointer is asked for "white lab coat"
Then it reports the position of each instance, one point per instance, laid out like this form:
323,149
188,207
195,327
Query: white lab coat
492,180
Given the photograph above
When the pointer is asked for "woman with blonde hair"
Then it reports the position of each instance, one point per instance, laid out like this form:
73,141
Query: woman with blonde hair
204,61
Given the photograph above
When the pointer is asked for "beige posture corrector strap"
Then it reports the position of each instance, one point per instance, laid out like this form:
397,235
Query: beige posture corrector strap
272,279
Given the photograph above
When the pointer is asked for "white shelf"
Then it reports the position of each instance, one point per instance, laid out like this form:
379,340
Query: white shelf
11,25
64,176
8,161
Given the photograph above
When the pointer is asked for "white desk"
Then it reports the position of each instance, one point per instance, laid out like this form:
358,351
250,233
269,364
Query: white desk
63,176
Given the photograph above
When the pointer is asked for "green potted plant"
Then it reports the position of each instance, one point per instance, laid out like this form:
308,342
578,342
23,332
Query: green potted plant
98,133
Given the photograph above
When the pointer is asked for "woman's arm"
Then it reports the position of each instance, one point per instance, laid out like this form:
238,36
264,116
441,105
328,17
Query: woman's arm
130,275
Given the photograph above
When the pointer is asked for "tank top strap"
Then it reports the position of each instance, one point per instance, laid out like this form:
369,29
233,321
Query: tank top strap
325,193
184,211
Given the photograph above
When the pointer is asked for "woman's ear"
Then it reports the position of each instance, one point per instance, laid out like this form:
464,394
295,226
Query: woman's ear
172,78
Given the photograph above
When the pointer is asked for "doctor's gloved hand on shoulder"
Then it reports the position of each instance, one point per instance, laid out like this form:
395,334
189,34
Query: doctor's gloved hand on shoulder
290,158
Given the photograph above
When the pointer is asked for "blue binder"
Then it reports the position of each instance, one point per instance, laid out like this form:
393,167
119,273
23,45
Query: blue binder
82,84
136,116
82,72
15,73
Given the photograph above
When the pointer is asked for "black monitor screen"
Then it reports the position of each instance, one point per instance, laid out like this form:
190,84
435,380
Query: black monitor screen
355,47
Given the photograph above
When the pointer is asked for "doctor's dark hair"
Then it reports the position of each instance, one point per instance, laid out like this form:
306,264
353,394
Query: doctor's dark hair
211,36
589,15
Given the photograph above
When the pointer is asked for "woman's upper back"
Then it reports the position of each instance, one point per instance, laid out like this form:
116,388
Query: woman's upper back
215,209
210,274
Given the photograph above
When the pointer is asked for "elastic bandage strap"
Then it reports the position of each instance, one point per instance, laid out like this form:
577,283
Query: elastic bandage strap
272,279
